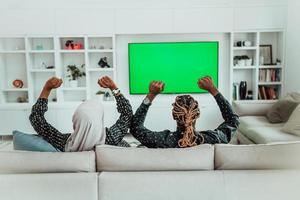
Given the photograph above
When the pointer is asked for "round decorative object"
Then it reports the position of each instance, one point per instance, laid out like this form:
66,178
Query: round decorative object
18,83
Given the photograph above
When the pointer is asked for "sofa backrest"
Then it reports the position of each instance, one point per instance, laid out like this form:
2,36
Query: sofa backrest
252,108
46,162
111,158
258,156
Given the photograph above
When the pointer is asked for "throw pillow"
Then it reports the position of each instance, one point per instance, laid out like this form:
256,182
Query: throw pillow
293,125
30,142
281,111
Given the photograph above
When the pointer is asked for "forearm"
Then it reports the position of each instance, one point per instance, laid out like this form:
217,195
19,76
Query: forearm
45,93
225,108
37,113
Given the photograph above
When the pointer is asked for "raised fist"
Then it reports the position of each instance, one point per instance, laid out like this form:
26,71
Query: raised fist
156,87
53,83
106,82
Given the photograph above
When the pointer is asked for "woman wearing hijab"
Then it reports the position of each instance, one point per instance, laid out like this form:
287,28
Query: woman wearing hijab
88,118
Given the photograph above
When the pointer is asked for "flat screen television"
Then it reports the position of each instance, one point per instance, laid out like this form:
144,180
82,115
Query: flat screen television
178,64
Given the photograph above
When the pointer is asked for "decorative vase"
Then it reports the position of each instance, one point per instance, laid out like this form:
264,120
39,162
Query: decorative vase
73,83
241,63
248,62
243,90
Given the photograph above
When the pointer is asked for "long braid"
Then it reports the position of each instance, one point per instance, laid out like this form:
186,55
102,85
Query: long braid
186,112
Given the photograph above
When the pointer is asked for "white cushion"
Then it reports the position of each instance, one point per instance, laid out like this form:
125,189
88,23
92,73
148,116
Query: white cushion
261,184
71,186
44,162
262,156
293,124
248,122
111,158
264,135
176,185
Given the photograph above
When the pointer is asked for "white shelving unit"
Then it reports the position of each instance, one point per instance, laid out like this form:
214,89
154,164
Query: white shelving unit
27,58
251,73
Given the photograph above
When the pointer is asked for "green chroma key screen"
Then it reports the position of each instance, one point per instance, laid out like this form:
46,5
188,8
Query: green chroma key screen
178,64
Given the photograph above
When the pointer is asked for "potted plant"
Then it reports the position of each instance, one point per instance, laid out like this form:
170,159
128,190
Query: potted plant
74,74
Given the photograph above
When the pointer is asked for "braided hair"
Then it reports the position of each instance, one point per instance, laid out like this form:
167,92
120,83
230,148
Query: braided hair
186,112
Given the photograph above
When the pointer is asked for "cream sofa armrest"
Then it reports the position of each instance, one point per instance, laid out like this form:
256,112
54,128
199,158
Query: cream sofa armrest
252,108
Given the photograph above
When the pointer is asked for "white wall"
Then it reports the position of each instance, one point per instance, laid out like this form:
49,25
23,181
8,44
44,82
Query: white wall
136,17
292,83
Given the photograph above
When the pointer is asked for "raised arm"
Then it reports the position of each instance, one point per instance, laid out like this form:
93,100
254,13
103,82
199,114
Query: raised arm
120,128
151,139
224,132
38,120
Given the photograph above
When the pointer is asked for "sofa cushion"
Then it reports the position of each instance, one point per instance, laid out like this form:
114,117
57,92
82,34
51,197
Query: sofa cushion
166,185
264,135
111,158
64,186
30,142
261,156
281,111
46,162
247,122
293,125
261,184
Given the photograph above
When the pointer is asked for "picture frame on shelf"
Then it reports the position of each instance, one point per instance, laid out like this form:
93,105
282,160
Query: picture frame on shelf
266,53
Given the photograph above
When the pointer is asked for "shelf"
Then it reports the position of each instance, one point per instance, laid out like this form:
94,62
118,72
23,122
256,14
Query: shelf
100,51
42,70
270,67
244,48
270,83
14,51
72,51
100,69
41,51
244,67
15,90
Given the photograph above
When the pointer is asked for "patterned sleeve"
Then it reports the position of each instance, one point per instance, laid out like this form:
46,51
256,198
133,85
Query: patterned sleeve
116,132
224,132
151,139
43,128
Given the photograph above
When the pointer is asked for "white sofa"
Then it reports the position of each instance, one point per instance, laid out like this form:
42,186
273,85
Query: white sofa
254,126
241,172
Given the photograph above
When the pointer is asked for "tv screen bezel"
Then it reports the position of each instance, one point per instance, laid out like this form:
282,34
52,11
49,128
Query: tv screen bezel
172,93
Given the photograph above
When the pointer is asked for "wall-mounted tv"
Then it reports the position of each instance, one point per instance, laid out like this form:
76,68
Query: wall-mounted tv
178,64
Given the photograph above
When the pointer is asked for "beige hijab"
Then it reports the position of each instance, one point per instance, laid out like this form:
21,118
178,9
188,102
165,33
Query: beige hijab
88,124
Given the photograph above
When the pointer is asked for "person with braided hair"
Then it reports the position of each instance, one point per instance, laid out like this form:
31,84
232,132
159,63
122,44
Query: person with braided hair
185,111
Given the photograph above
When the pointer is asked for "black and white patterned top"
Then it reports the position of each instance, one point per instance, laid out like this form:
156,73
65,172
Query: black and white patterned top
169,139
114,134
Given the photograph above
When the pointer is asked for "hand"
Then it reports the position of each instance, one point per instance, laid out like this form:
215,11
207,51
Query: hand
156,87
106,82
207,84
53,83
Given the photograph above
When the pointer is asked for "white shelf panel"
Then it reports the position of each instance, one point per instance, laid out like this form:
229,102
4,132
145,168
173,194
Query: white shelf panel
244,48
14,51
72,51
270,83
100,69
42,70
100,51
270,67
41,51
244,67
15,89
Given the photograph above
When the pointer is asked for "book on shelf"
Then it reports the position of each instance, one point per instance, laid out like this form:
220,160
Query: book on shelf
267,93
269,75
